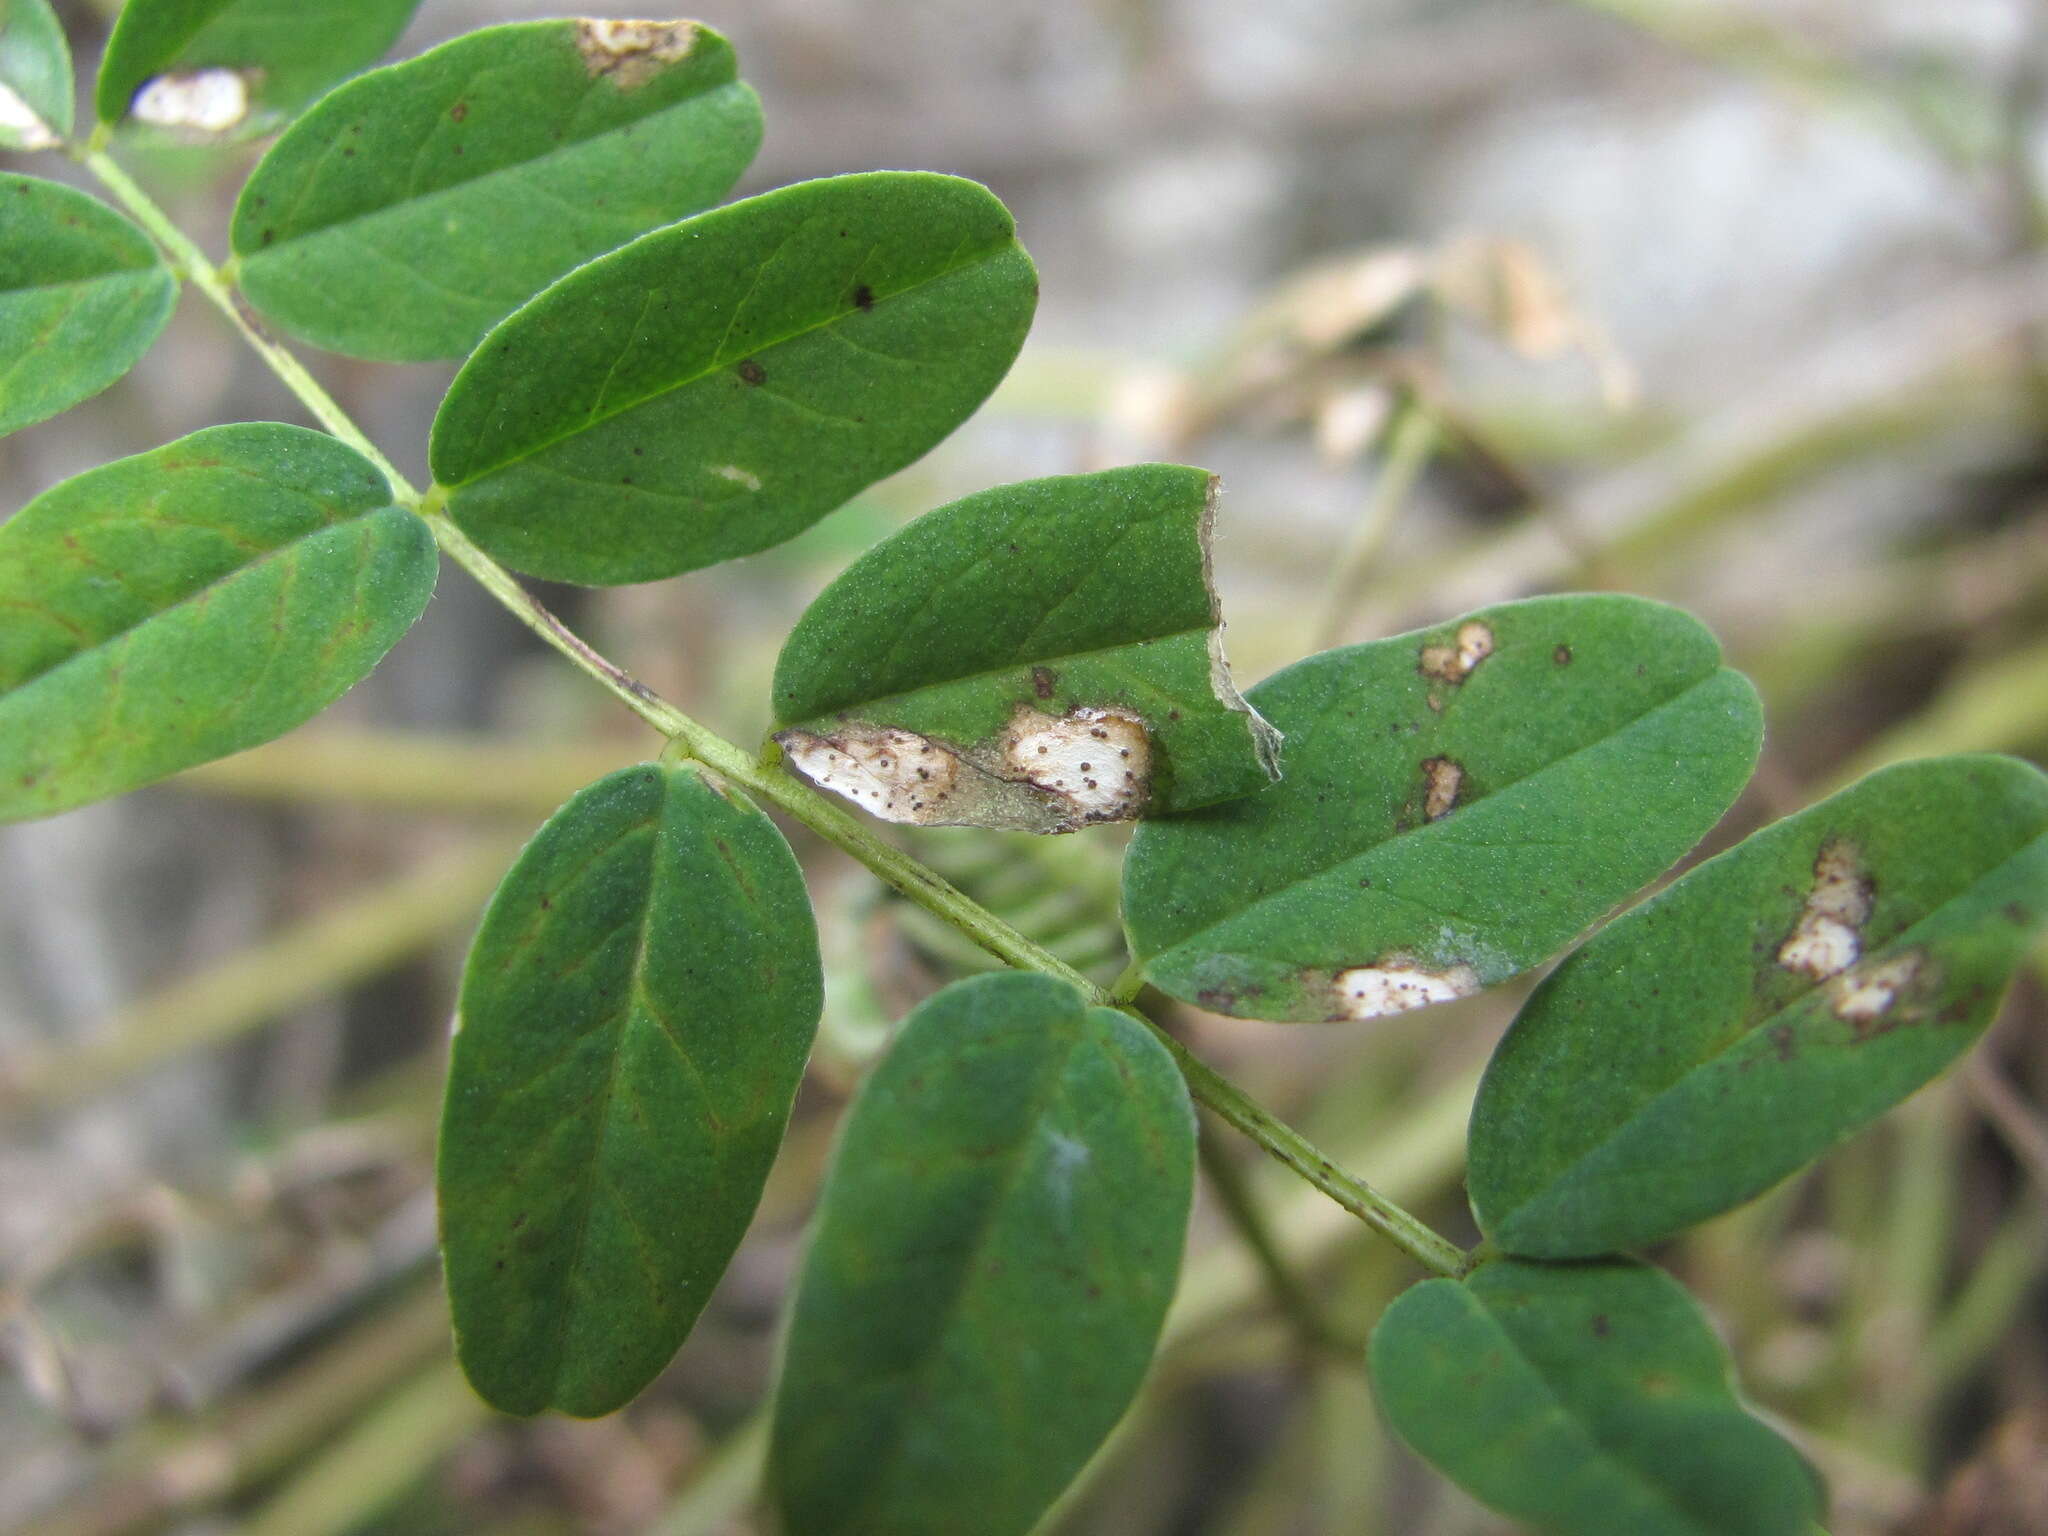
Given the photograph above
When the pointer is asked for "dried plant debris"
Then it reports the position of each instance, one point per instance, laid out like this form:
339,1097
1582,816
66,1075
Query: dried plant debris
1041,773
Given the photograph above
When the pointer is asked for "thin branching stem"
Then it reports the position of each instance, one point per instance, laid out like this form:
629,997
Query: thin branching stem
764,776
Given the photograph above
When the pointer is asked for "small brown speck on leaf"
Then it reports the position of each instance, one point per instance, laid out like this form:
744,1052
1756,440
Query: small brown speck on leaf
752,372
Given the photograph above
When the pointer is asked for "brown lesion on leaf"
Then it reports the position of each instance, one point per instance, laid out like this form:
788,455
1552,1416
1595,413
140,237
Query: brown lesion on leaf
1443,780
1396,983
1828,937
630,53
1043,682
1455,661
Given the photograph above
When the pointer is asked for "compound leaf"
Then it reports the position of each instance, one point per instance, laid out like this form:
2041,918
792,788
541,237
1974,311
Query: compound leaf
1585,1400
718,386
35,77
635,1017
83,293
217,69
1458,804
1040,656
997,1244
416,207
174,607
1769,1004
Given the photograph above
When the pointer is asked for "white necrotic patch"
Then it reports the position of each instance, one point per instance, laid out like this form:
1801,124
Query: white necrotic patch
1866,995
633,52
20,124
738,476
1097,760
1399,985
896,775
205,101
1828,937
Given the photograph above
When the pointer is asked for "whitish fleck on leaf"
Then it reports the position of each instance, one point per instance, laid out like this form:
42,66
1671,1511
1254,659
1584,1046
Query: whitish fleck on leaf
1443,780
1398,984
630,53
1455,662
204,101
1099,760
738,476
896,775
1040,773
1865,995
21,122
1828,938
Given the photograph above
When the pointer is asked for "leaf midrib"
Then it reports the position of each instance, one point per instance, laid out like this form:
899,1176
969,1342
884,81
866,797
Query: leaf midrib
1043,1102
1903,939
1424,830
290,548
427,201
716,363
1611,1456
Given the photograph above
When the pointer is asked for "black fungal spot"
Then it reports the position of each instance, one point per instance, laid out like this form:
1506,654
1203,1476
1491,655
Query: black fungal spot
752,372
1042,681
864,297
1562,655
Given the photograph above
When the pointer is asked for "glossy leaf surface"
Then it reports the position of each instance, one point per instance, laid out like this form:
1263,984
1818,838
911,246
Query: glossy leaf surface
635,1017
416,207
998,1240
1768,1005
82,295
35,76
1585,1400
718,386
174,607
1039,656
224,69
1457,805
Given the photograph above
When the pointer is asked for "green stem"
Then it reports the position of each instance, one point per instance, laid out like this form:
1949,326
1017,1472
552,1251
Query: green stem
1410,442
1239,1204
764,777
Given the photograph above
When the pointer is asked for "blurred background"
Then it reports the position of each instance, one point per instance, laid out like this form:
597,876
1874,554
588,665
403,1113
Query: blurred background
1742,304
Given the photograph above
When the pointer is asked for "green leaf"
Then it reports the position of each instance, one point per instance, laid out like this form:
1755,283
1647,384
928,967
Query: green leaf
215,69
1458,804
35,76
1585,1400
997,1245
718,386
83,293
1768,1005
416,207
1040,656
634,1021
174,607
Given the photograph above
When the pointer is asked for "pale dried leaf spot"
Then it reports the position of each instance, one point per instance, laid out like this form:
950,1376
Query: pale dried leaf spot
204,101
630,53
1828,937
1399,984
738,476
1443,780
896,775
1455,662
1865,995
1098,761
21,126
